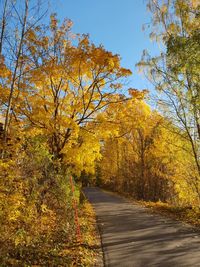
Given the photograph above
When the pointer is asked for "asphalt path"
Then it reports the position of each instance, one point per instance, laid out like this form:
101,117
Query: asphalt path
134,237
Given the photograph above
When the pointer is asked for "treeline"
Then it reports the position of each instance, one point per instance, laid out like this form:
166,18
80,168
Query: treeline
147,158
52,84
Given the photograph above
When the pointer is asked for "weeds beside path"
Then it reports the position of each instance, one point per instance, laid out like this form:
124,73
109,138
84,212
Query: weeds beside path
59,251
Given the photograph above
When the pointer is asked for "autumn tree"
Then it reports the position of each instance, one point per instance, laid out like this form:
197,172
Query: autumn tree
175,72
69,81
130,162
18,17
143,156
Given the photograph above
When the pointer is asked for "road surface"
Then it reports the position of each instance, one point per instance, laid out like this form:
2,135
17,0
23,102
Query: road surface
133,237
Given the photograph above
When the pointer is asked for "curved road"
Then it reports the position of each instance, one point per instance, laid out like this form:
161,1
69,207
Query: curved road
133,237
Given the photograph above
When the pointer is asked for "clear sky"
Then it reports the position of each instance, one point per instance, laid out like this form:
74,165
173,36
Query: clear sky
117,24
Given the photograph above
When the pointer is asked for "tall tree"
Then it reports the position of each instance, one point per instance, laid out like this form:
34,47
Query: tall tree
68,83
18,18
175,72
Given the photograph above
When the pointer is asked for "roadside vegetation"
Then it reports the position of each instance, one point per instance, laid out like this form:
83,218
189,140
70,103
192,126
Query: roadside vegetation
186,214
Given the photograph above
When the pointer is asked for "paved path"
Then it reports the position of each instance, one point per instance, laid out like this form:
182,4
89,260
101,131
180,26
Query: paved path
131,236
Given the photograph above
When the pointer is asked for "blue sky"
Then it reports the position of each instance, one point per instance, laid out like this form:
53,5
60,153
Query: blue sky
117,24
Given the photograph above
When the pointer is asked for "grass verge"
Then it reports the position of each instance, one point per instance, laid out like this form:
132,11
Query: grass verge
190,215
59,251
90,252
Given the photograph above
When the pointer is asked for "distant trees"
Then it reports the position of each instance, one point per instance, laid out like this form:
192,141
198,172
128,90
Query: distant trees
144,157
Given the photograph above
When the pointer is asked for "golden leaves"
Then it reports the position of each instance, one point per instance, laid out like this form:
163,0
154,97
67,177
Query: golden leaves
54,21
4,71
173,28
195,3
136,94
31,35
164,9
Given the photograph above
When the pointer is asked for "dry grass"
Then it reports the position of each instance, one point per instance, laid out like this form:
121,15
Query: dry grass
189,215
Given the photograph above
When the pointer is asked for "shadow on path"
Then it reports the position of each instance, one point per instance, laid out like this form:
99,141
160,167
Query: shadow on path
133,237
